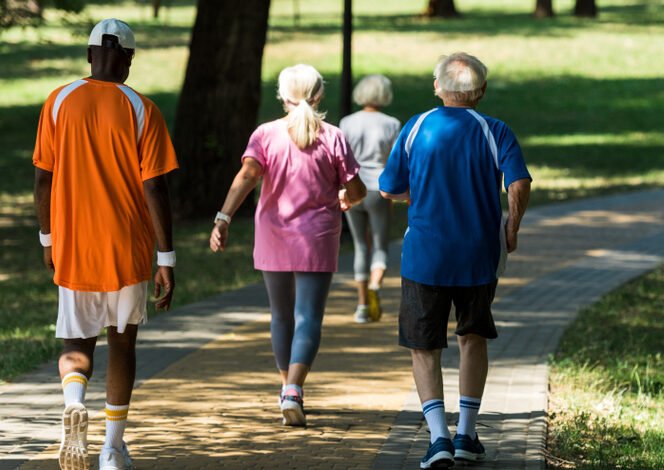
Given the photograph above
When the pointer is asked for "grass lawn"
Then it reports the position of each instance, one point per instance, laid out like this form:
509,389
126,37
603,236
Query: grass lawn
583,96
607,383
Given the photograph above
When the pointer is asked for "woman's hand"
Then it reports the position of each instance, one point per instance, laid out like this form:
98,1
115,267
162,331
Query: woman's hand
344,200
219,237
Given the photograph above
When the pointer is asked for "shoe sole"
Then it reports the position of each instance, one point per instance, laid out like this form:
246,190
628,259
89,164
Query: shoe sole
442,459
73,449
293,414
466,456
361,319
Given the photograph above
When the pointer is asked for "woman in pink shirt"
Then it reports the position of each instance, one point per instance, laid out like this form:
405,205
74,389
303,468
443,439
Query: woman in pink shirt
309,177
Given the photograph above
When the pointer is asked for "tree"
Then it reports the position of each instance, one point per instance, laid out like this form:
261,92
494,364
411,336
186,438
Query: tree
20,12
346,69
543,9
156,6
218,106
585,8
444,8
30,12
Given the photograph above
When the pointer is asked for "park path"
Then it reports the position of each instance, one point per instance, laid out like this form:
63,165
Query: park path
207,389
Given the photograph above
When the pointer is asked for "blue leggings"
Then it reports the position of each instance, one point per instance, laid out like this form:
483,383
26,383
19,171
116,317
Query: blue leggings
297,302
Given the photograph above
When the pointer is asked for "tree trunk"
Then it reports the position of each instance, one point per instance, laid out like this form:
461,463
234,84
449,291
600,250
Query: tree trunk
156,6
346,69
543,9
296,13
585,8
443,8
218,106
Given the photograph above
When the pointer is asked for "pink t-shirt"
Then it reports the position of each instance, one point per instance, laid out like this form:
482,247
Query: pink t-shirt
298,218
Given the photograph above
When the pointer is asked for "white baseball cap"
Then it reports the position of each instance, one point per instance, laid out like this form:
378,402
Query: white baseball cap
116,28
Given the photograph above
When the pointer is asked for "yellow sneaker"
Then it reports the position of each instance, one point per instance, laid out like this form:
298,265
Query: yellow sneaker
375,312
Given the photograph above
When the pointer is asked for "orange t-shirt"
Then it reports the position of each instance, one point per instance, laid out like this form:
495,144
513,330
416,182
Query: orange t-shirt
101,140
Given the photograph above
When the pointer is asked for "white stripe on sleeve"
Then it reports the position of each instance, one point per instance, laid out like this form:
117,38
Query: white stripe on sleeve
139,109
413,132
64,93
488,134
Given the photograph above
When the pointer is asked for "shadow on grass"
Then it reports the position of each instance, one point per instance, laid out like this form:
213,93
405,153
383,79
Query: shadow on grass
471,23
588,442
485,22
556,106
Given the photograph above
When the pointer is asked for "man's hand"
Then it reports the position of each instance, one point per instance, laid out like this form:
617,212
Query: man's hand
518,194
219,237
511,236
164,284
48,259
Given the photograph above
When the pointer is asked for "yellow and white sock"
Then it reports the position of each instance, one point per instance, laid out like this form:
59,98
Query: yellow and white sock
74,385
116,421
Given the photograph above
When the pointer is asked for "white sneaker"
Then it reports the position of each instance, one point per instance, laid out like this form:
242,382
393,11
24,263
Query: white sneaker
74,445
292,409
362,314
114,459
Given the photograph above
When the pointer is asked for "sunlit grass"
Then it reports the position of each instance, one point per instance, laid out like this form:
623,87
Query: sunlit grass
607,382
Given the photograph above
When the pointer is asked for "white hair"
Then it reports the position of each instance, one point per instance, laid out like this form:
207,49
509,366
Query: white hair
460,76
373,90
301,89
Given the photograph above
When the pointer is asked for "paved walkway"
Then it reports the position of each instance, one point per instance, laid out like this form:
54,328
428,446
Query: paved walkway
207,389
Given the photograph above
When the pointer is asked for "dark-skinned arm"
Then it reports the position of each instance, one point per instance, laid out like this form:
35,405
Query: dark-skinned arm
159,205
518,194
43,184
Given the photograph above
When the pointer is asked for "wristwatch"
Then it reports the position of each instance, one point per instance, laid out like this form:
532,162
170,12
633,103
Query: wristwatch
221,216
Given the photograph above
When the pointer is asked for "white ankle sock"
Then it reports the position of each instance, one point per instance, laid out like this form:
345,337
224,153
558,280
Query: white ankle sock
293,387
469,408
74,385
116,422
434,413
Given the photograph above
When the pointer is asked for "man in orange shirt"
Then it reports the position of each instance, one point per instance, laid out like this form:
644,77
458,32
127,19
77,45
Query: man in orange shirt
101,156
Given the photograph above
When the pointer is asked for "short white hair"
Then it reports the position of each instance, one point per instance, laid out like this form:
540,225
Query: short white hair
460,76
373,90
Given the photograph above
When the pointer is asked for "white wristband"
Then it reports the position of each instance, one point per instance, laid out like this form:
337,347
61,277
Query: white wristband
166,258
45,240
222,217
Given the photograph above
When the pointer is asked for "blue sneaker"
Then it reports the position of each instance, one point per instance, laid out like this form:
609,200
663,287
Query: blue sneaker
468,449
439,455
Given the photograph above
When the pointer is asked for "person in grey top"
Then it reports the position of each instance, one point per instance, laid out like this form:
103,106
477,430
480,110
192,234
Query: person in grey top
371,135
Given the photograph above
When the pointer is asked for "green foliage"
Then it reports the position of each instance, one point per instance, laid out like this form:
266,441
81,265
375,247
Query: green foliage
607,397
74,6
19,13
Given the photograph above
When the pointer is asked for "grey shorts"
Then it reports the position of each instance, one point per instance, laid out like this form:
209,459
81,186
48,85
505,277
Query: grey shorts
425,311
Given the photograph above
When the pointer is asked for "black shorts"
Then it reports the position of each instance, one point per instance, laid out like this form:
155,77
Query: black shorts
425,311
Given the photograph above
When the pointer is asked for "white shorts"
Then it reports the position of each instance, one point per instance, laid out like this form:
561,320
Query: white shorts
85,314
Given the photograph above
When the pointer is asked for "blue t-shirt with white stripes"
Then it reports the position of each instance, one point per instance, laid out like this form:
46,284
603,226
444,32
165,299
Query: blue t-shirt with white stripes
452,160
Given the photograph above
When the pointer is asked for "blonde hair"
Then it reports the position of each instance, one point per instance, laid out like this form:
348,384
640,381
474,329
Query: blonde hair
460,76
373,90
301,89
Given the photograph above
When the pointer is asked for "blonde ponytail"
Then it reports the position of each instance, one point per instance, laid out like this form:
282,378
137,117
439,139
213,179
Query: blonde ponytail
300,89
303,124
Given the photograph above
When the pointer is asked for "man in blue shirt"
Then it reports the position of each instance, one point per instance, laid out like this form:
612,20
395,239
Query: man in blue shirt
449,164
